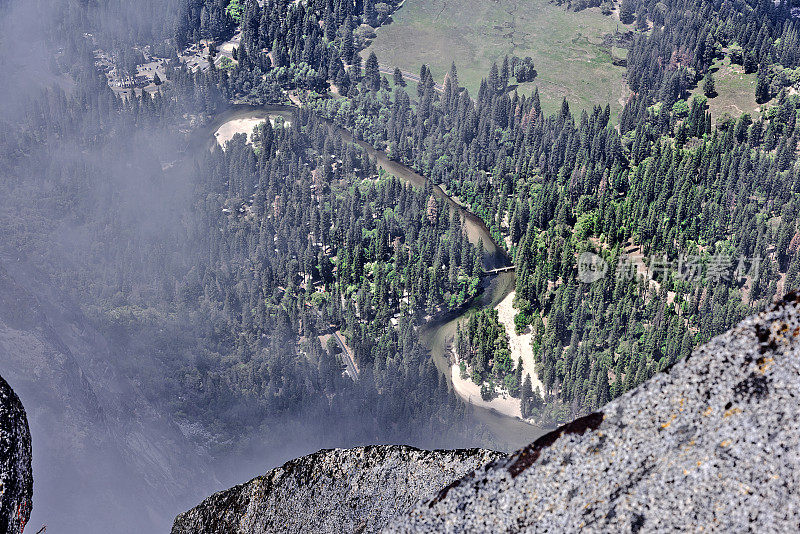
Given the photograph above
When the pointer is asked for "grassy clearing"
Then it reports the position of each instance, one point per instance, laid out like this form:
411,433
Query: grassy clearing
565,46
736,91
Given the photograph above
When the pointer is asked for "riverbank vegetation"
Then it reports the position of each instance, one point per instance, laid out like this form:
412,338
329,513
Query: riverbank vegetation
561,185
661,185
309,238
197,291
214,274
666,182
482,345
298,231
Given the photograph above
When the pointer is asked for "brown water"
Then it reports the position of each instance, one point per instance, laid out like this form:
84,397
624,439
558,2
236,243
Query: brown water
475,228
513,433
438,337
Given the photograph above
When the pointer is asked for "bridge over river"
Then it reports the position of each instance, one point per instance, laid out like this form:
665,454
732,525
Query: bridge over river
499,270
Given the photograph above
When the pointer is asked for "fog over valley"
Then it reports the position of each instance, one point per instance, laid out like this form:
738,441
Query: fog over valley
236,232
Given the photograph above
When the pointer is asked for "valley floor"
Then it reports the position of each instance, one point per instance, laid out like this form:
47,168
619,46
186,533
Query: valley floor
520,346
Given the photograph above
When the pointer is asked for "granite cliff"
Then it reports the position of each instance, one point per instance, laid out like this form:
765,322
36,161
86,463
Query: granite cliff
332,491
101,450
16,475
711,444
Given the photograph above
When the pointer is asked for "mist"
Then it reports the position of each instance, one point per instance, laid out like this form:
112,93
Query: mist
101,213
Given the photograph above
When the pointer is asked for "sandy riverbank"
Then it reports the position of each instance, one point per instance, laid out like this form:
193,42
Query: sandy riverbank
520,345
471,392
244,125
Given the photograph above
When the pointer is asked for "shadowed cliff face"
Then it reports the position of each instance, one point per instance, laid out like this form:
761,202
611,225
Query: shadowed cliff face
105,459
712,444
332,491
16,479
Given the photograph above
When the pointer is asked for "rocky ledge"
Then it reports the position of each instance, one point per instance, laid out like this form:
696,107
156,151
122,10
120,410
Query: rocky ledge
332,491
16,478
711,445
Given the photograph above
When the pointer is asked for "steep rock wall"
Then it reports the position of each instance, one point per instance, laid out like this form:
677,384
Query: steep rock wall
332,491
16,476
711,445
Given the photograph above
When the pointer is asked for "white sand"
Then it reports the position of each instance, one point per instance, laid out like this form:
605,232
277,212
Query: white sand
519,345
234,126
228,46
471,393
226,132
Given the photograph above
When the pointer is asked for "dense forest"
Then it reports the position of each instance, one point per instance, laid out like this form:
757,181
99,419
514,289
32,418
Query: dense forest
676,42
216,273
553,187
688,35
664,185
303,237
268,246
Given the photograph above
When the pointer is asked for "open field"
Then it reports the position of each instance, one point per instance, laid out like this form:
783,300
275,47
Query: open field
736,91
565,46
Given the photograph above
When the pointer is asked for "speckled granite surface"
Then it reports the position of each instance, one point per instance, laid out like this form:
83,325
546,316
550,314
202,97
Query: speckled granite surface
711,445
332,491
16,478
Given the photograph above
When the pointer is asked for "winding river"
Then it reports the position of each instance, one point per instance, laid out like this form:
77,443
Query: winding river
437,336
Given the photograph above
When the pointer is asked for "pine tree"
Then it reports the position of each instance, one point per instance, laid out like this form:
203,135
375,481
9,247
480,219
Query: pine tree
399,80
750,63
627,10
762,86
347,49
372,74
370,15
525,397
709,86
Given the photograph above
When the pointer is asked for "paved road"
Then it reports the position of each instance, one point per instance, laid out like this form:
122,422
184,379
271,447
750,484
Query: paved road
349,361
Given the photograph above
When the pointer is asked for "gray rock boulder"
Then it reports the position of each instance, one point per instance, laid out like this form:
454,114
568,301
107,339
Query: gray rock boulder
16,477
711,445
332,491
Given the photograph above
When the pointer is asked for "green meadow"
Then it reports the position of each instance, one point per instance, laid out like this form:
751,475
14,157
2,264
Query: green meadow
566,47
736,91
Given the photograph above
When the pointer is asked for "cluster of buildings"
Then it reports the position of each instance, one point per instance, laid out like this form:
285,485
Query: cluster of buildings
149,75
